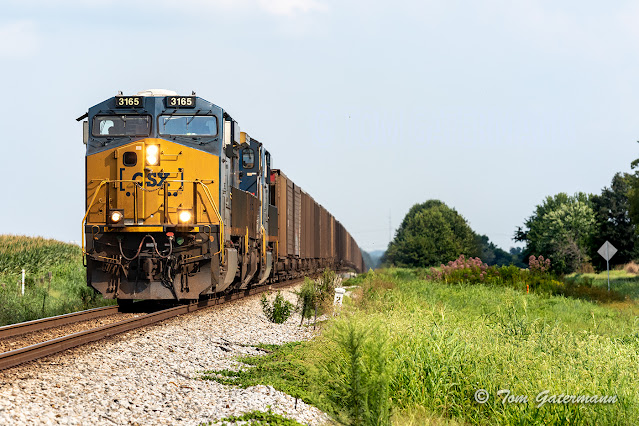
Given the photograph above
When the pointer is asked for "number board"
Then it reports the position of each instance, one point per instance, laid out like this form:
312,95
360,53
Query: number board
128,101
180,101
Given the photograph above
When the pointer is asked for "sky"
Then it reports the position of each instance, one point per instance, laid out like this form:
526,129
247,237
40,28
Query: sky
369,106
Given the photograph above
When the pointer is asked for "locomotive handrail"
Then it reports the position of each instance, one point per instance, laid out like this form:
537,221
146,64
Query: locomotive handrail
219,218
206,191
263,242
84,252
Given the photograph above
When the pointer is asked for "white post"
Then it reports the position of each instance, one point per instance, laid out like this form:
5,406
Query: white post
23,282
608,264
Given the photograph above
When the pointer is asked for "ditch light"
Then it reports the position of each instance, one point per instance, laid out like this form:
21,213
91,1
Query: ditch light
116,216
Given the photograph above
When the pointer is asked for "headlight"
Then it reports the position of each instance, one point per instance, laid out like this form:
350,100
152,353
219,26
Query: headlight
184,216
152,155
116,216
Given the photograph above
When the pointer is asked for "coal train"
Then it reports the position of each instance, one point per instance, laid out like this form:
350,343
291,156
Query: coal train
181,205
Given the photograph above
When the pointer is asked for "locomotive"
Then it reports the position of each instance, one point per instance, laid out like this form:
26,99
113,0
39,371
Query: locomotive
181,205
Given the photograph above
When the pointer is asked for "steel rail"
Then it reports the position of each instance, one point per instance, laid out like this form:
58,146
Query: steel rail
44,323
40,350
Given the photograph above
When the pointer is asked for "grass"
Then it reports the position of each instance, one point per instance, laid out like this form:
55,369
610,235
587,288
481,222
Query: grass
621,281
257,418
55,279
427,347
285,368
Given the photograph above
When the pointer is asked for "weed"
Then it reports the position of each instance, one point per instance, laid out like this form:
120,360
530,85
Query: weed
259,418
357,374
307,299
316,296
287,368
278,311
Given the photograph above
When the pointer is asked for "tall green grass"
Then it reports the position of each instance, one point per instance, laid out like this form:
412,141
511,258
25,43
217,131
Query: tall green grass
66,290
36,254
620,281
438,344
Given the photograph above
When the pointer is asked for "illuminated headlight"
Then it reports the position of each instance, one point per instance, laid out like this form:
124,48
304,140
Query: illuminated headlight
152,155
116,216
184,216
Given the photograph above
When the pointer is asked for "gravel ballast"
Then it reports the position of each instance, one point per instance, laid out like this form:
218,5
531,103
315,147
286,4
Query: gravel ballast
151,376
31,338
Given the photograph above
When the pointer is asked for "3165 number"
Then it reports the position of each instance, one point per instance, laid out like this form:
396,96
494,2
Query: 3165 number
128,101
180,101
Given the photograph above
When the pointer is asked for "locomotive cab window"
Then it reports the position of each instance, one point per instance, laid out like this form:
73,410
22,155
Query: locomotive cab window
121,125
188,125
248,158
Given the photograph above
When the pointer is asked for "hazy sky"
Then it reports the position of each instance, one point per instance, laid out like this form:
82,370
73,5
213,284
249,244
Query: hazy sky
369,106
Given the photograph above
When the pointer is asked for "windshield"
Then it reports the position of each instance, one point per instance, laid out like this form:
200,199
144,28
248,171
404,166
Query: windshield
121,125
197,125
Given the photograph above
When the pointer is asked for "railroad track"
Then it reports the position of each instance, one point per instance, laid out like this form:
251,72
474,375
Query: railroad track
42,324
39,350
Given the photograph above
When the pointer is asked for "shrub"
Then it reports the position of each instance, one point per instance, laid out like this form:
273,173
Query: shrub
471,270
586,268
279,311
307,299
631,268
317,295
538,265
326,283
510,275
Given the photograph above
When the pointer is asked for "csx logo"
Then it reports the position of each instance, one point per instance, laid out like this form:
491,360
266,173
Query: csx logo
153,179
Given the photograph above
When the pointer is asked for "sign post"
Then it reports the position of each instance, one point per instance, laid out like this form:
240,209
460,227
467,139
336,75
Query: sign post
606,251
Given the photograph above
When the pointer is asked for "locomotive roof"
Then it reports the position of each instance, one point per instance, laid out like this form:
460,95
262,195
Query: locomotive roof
152,102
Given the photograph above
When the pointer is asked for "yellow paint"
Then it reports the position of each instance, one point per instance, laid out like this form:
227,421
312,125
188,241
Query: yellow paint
263,242
135,229
148,207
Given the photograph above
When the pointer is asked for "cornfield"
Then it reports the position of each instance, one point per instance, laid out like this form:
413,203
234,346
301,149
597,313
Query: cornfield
36,254
55,279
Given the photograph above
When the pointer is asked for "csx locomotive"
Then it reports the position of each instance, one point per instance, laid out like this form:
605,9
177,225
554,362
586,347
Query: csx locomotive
180,204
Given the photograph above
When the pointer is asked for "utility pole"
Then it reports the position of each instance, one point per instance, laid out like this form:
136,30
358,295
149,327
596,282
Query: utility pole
390,229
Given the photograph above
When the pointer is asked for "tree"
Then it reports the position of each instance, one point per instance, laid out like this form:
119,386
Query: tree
633,193
431,234
368,261
613,222
493,255
560,229
517,254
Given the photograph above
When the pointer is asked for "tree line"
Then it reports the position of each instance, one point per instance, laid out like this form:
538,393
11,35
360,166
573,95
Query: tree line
568,229
432,233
